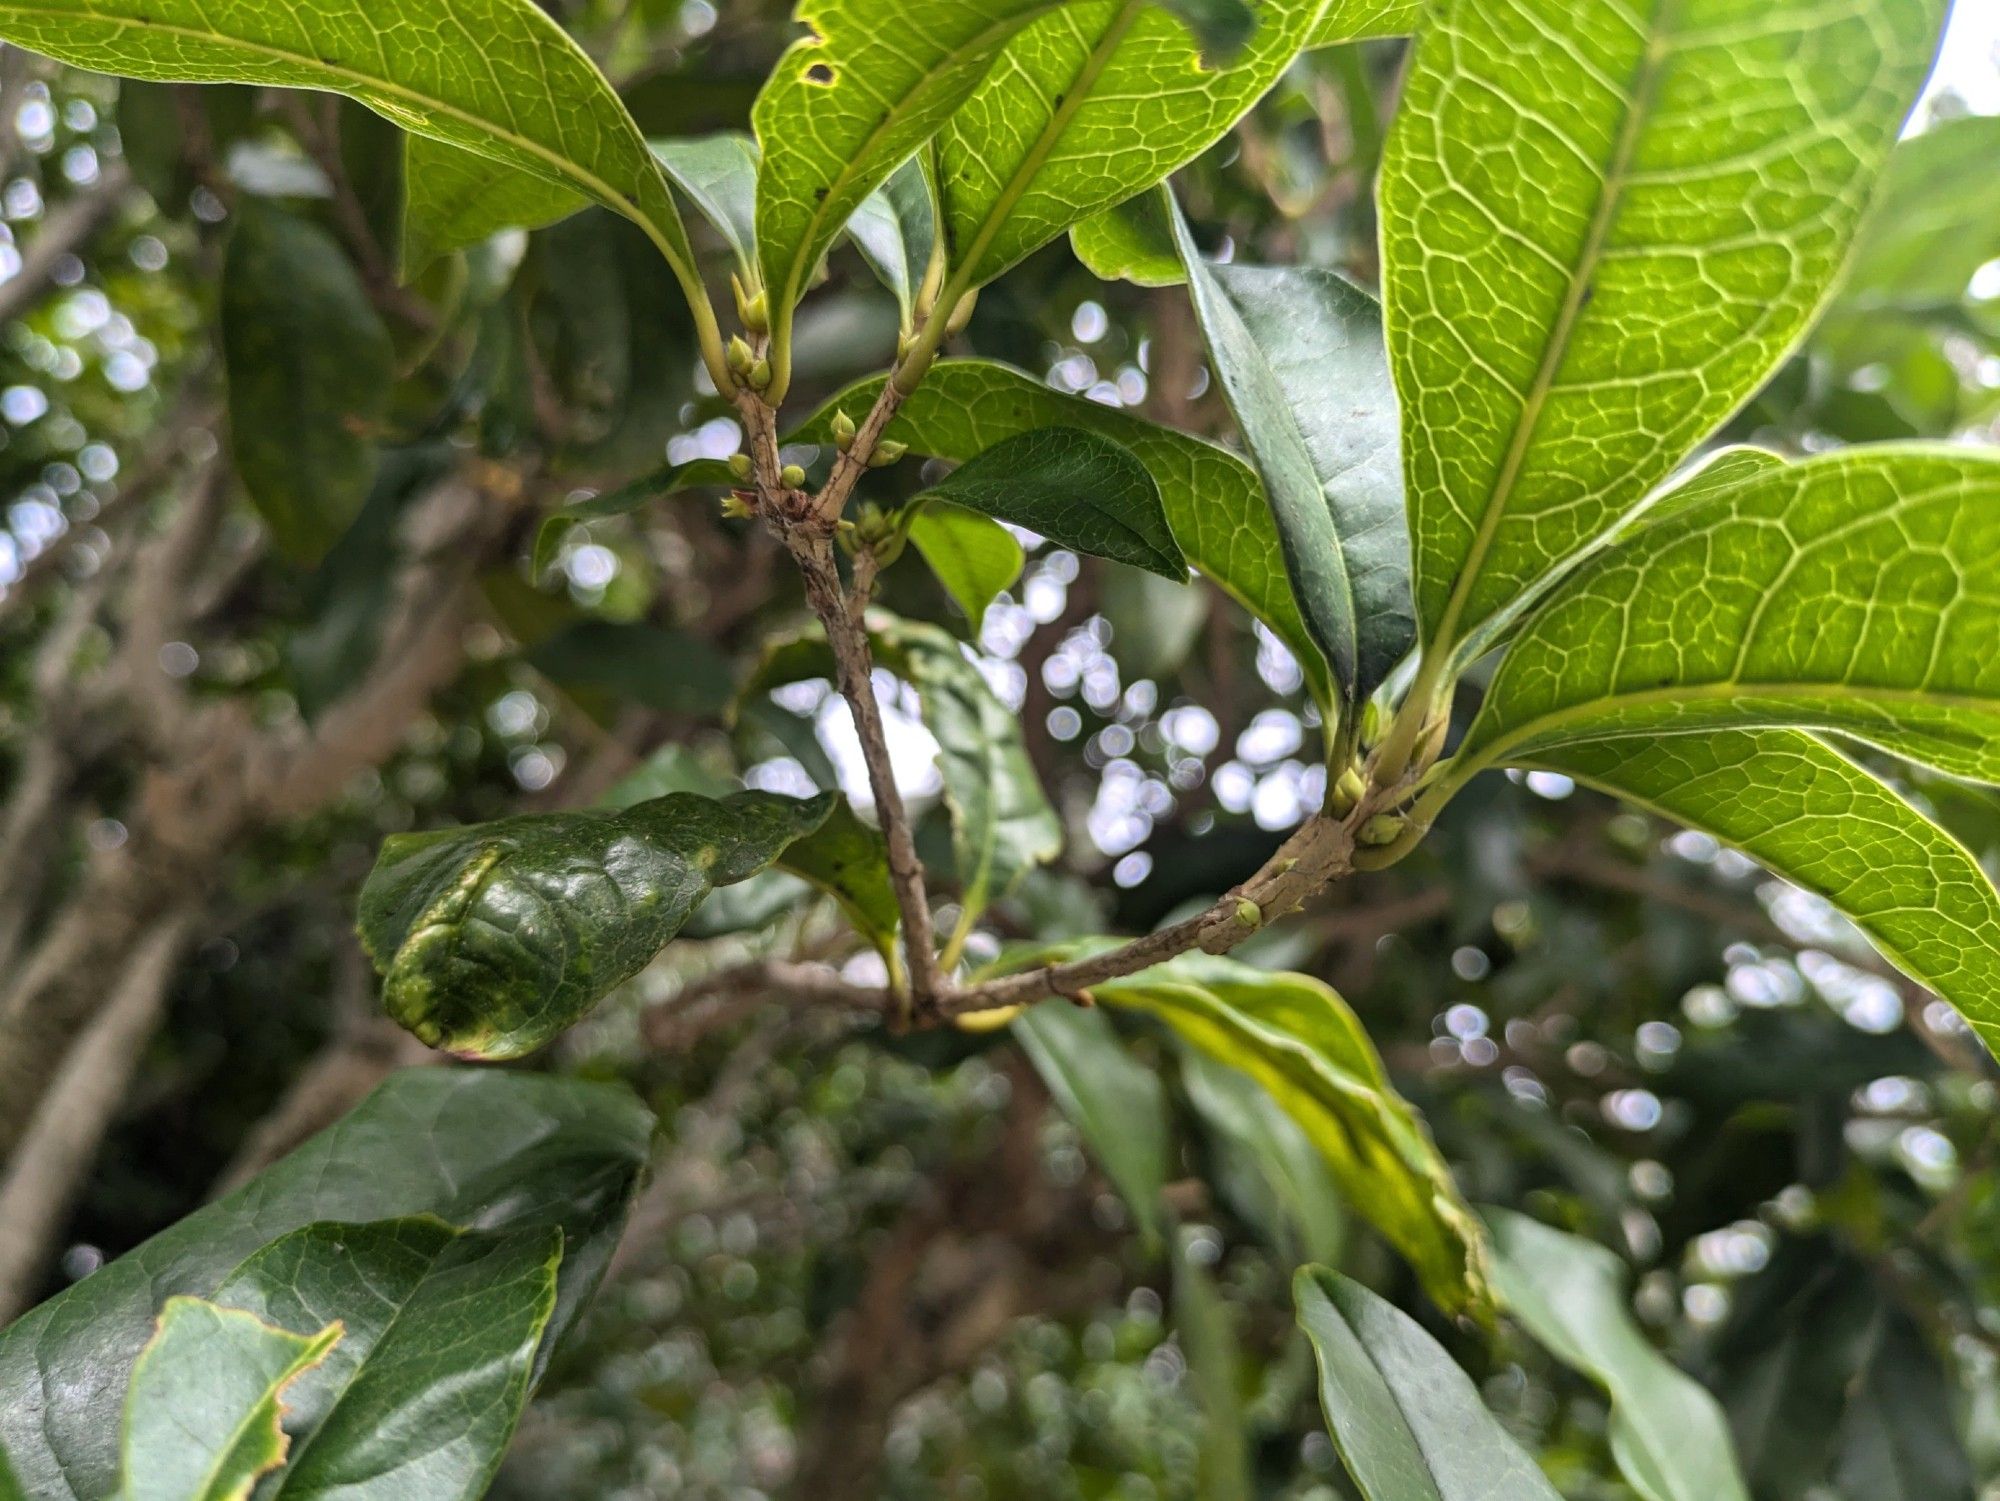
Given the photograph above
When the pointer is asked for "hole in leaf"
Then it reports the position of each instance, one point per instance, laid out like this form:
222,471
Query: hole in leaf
819,73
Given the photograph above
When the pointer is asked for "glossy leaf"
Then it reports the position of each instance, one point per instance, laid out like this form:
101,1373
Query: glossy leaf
1267,1162
1858,593
1077,488
208,1392
1298,1040
1131,241
530,98
849,861
441,1329
493,939
895,229
1213,500
507,1151
1588,262
1114,1101
1358,20
310,370
1299,355
1407,1422
973,556
1668,1434
719,175
1808,814
1093,103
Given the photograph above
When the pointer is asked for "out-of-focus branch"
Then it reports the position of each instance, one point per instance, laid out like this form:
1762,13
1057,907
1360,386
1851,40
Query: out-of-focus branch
68,227
162,577
82,1102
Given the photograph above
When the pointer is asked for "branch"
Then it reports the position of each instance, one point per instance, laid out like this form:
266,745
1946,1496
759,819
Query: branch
81,1104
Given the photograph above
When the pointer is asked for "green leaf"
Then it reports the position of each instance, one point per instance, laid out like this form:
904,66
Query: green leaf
849,861
719,175
674,672
493,939
1808,814
442,1327
1857,593
1075,487
498,78
1213,500
895,229
1346,21
1131,241
1667,1433
1048,137
974,557
1299,355
455,199
1268,1161
202,1416
1898,1440
1588,265
1407,1422
310,370
506,1151
1114,1101
1297,1039
10,1488
1207,1335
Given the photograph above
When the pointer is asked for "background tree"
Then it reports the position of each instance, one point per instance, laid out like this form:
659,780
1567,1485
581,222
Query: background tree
337,513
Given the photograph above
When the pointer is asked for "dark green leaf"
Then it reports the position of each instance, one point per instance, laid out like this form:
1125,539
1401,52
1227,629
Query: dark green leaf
505,1151
975,558
1588,265
1077,488
1114,1101
310,368
442,1327
1299,355
1667,1433
1213,500
671,671
1898,1441
622,501
1268,1163
202,1415
493,939
849,861
1407,1422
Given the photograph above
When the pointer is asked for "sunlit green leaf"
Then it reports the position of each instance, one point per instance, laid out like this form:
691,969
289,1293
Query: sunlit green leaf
1357,20
1808,814
1299,355
1131,241
1588,263
493,939
1858,593
454,199
1079,489
973,556
508,1151
1297,1039
1114,1101
202,1416
1408,1423
532,100
1667,1433
1213,500
310,370
440,1334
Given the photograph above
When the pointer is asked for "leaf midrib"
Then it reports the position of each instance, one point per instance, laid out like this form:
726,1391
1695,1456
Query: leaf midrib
1610,199
567,169
1527,733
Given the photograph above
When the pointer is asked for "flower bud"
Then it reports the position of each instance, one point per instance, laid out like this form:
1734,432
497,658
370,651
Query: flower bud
843,431
741,467
887,452
792,476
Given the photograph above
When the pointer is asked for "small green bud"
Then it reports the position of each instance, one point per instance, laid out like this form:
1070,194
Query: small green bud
1249,914
791,476
760,376
887,452
844,431
1373,722
741,357
754,311
1383,828
962,314
741,467
1346,791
